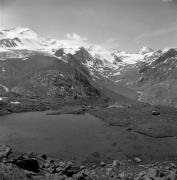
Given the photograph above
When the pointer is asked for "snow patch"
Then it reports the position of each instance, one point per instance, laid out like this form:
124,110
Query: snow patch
14,102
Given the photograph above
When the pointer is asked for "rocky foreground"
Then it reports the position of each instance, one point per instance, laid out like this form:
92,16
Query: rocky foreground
24,166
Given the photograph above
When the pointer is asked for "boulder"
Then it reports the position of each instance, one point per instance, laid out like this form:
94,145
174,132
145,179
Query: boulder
4,151
155,113
44,156
28,164
137,159
152,172
116,164
102,163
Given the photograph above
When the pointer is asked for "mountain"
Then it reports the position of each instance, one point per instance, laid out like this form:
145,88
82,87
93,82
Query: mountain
42,76
153,79
19,38
158,81
29,68
63,69
36,66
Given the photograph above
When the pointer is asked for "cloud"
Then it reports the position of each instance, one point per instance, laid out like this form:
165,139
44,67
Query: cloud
75,36
6,3
158,32
171,2
167,0
111,43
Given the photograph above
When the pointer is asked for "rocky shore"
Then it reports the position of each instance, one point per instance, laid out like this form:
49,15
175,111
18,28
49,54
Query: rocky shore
25,166
58,106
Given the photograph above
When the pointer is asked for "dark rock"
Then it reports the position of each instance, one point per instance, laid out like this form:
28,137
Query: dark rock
129,129
59,52
28,164
52,161
44,156
70,171
155,113
81,176
102,163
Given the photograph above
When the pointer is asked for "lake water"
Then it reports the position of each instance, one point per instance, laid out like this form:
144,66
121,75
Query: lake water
70,136
77,137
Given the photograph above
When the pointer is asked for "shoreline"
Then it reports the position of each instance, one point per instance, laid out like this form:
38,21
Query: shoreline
16,166
48,168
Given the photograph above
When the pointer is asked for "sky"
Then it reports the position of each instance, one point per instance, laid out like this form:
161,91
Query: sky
115,24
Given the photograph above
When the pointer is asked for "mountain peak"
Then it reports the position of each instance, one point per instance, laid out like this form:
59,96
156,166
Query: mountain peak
16,32
145,50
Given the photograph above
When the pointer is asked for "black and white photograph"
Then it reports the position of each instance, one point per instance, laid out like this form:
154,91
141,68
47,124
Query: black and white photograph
88,89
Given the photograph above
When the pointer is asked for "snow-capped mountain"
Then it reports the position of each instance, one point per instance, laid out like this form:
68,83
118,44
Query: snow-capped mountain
21,42
158,80
144,54
25,39
19,38
119,71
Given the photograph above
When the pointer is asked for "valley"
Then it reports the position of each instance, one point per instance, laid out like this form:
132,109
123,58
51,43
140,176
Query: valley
77,101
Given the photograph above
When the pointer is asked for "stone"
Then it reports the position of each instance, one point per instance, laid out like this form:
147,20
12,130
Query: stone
94,166
47,175
62,164
152,172
167,167
82,167
171,175
102,163
80,175
51,170
59,169
52,161
44,156
129,129
172,165
28,164
47,165
137,159
69,164
30,173
130,175
70,171
141,174
4,151
146,178
159,178
30,154
121,175
108,171
155,113
115,164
